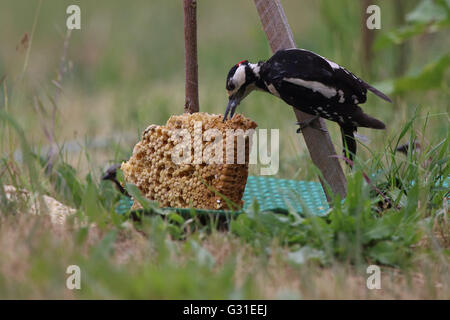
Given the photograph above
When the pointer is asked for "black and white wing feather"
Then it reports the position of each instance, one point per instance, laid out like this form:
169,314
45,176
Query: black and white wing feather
297,73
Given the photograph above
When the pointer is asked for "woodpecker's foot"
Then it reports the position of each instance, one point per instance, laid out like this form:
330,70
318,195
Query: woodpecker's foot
313,123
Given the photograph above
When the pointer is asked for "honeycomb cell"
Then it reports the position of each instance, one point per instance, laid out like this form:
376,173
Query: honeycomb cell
171,184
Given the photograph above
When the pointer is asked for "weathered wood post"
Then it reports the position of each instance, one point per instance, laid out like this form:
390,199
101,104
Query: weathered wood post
190,55
319,143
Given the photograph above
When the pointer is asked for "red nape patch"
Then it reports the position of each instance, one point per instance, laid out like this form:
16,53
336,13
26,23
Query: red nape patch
241,62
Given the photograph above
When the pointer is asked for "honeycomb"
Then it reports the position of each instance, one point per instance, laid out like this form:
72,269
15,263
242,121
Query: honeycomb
166,167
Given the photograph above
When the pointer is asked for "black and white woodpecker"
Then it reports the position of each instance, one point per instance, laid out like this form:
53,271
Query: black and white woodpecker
310,83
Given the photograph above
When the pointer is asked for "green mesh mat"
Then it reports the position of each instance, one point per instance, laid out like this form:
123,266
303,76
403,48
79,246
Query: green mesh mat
271,194
282,195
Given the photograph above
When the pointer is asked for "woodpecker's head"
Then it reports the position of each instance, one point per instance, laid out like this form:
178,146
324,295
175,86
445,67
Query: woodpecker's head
240,82
111,172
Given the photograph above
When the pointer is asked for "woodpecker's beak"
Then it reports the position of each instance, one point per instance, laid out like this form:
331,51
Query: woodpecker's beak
233,102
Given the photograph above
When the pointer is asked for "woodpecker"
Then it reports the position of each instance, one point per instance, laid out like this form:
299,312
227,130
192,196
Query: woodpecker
310,83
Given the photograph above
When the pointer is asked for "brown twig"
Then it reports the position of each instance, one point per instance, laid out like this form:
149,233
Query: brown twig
190,53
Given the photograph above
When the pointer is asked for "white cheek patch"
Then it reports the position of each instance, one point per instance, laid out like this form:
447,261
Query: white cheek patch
315,86
238,78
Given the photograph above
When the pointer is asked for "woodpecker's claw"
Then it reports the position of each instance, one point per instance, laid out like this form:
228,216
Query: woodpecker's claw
310,123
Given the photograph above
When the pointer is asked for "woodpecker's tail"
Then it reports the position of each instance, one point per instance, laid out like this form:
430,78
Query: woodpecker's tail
376,91
364,120
348,142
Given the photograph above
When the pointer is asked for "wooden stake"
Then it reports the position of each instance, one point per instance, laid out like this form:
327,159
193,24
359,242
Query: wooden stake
190,55
319,143
368,37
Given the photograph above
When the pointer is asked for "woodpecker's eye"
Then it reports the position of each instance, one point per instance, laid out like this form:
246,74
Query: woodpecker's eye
230,85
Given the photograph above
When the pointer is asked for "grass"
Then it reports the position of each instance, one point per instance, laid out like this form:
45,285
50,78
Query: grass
122,76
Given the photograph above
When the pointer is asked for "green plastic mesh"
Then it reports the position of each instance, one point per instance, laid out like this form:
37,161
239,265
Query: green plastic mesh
282,195
271,194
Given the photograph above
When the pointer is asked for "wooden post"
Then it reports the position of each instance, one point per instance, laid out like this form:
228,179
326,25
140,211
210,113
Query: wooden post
368,37
319,143
190,55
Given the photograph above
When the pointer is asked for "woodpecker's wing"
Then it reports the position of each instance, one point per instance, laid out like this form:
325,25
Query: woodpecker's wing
322,81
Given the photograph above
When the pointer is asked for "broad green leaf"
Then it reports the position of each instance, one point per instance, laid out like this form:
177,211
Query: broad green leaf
137,195
383,227
430,77
428,11
428,17
399,36
385,252
91,203
175,217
